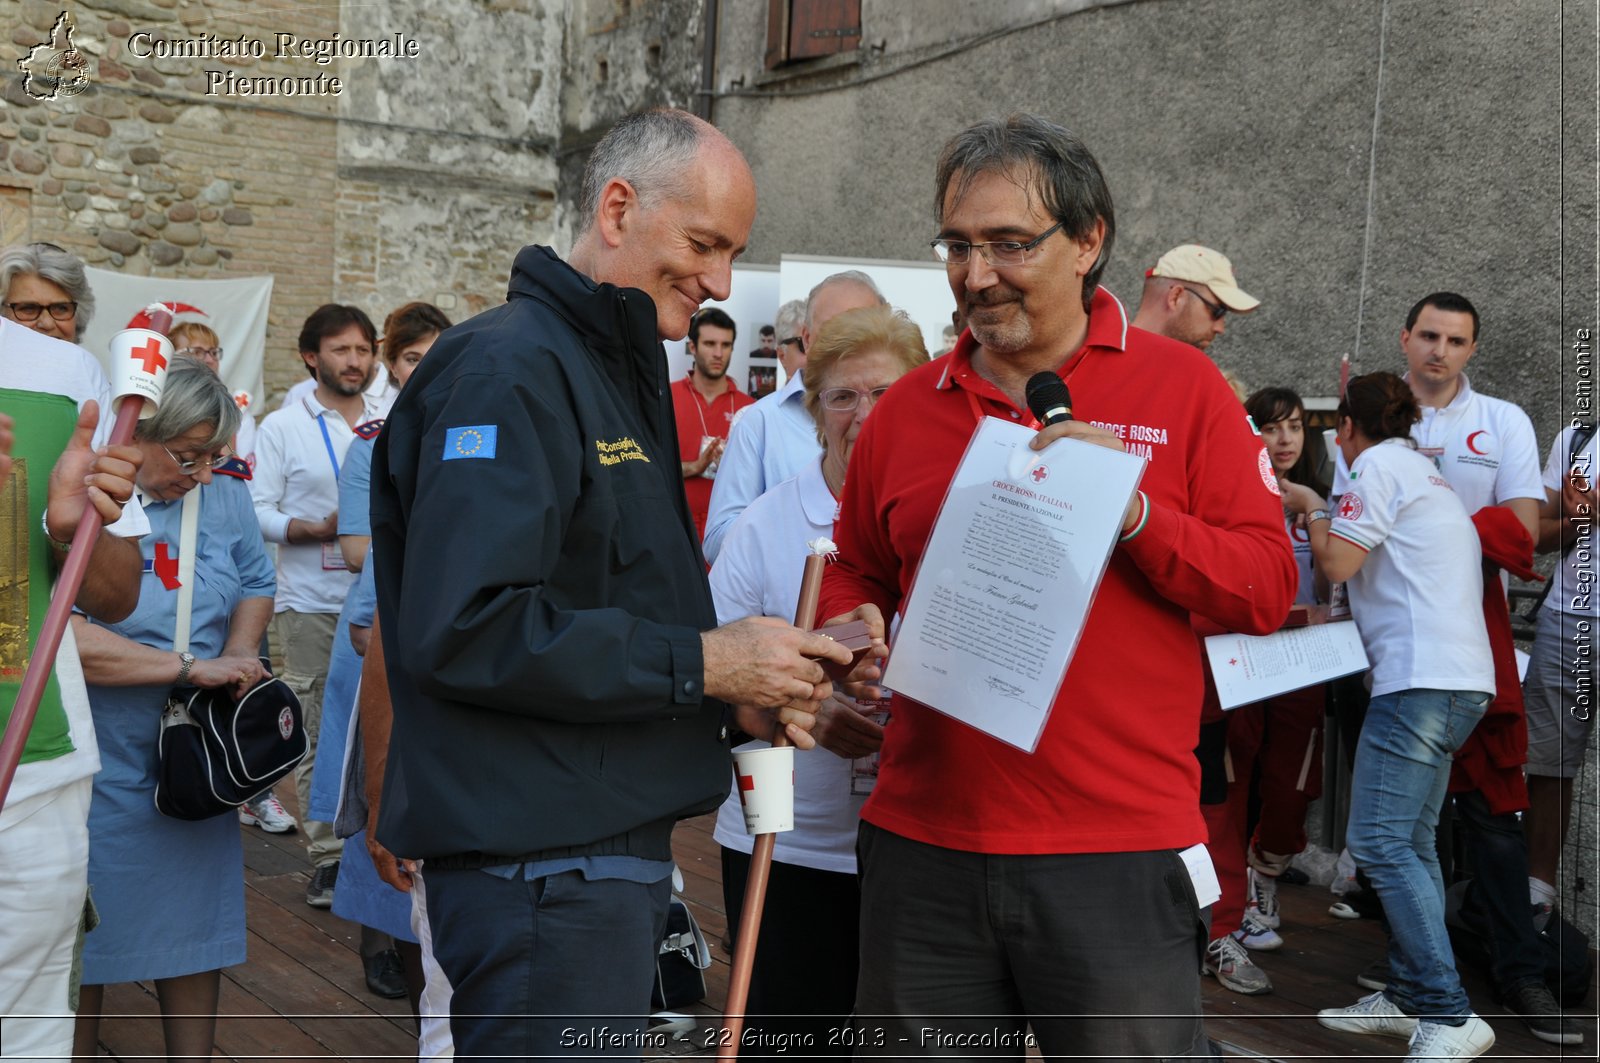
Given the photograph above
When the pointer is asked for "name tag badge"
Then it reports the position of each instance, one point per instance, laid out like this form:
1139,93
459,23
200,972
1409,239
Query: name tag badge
333,558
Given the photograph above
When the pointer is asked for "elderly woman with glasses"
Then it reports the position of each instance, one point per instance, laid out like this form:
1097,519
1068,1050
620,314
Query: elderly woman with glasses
45,288
171,893
810,963
197,340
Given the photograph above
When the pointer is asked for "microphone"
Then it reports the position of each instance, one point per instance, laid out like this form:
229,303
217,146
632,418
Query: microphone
1048,398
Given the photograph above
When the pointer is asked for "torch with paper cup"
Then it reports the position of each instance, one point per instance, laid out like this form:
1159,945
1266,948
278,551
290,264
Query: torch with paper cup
139,358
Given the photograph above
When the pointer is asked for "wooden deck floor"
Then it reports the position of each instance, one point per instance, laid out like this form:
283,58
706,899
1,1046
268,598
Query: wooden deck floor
301,995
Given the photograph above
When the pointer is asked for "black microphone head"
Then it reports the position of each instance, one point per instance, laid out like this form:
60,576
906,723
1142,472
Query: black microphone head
1048,398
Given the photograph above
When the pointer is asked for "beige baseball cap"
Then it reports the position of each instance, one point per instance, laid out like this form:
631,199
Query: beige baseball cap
1201,265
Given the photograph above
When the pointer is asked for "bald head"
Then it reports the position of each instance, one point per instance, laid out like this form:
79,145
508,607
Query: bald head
833,295
656,152
669,203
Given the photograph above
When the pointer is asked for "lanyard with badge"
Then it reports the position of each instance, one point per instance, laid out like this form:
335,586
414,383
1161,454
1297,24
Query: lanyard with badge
332,556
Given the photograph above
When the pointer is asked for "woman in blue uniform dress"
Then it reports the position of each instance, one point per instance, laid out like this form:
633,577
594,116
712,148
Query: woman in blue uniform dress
170,893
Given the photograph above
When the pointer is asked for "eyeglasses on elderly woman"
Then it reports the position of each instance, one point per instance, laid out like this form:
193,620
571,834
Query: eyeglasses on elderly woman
27,313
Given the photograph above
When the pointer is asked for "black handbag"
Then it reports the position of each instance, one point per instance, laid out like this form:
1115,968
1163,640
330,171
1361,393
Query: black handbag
681,962
216,752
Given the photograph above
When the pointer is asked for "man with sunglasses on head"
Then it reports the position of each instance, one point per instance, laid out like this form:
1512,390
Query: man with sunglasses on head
1005,892
1188,294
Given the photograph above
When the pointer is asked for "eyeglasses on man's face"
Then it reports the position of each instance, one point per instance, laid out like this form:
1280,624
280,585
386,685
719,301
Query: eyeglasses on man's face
189,468
1217,310
994,252
27,313
210,353
848,400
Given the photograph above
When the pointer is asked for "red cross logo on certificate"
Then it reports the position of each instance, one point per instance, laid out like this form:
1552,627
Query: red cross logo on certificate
746,783
1233,660
149,355
1040,474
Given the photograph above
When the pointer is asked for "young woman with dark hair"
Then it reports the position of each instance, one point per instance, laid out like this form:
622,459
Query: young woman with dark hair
1403,544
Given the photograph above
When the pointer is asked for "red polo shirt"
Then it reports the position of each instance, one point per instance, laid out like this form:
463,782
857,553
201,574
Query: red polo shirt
697,419
1114,770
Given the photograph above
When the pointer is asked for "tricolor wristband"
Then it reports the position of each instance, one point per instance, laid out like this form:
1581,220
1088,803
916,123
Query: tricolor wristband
1144,518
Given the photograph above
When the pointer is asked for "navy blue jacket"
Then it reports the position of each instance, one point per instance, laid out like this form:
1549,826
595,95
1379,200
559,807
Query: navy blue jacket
541,588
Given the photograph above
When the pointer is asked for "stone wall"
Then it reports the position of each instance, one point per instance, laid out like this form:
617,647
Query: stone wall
622,55
419,180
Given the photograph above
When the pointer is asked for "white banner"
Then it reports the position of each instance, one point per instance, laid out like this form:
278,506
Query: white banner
236,310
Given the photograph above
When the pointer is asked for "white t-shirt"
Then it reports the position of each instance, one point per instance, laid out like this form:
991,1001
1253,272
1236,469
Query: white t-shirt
1485,447
295,477
1574,590
758,574
1418,598
31,361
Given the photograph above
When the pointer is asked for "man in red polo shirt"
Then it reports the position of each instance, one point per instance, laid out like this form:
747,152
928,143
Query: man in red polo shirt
704,402
1004,892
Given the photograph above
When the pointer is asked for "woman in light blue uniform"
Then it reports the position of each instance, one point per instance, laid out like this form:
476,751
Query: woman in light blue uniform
391,958
170,893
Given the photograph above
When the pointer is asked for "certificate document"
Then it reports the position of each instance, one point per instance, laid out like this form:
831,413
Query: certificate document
1251,668
1006,581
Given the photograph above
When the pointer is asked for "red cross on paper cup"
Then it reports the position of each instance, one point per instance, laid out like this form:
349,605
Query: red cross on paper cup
139,359
766,788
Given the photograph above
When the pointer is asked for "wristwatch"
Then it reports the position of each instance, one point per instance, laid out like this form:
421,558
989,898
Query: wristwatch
187,660
1317,514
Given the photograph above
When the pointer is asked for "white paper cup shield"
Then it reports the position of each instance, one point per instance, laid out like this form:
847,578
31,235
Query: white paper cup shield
765,778
139,359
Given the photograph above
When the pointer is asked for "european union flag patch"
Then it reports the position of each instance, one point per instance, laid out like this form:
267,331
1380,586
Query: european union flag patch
473,441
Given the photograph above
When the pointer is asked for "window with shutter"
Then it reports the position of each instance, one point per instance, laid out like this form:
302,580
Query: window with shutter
808,29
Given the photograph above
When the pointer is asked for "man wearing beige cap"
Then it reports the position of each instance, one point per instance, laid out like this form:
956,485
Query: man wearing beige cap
1188,294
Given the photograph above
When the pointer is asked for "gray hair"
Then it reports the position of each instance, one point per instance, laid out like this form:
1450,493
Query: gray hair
849,276
1047,159
56,265
651,150
791,316
191,395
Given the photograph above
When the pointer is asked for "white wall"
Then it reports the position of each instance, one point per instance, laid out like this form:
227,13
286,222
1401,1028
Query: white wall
752,302
918,288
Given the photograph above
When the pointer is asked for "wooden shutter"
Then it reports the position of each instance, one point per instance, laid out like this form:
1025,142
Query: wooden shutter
815,28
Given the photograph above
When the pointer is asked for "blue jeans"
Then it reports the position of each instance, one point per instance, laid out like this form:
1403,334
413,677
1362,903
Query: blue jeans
1401,771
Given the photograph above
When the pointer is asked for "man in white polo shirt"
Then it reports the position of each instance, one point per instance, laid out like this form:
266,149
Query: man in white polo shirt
296,490
771,440
1486,450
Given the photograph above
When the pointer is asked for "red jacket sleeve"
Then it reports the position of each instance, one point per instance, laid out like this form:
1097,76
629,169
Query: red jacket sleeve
1222,552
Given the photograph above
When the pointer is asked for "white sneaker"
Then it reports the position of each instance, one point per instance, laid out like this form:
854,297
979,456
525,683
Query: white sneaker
265,812
1263,898
1433,1040
1374,1014
1252,935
